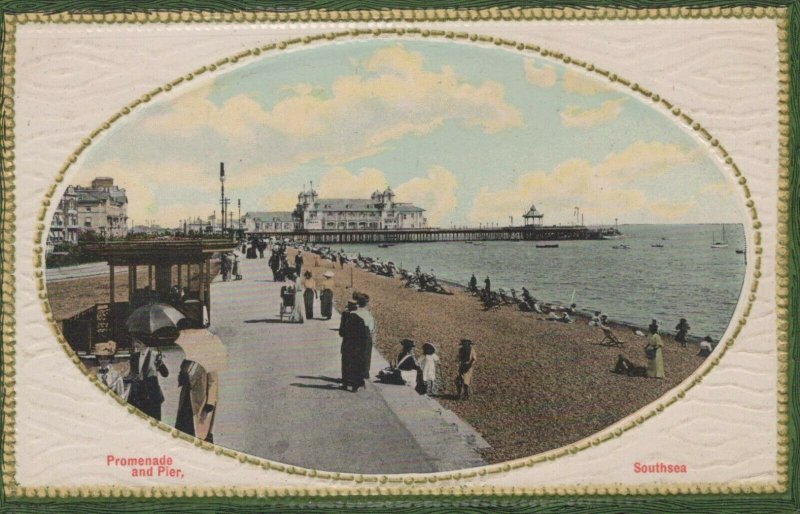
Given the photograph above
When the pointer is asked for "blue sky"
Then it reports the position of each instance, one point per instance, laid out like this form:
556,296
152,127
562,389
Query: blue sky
473,134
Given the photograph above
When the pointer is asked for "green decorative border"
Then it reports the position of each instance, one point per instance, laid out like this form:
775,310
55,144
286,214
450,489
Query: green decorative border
772,500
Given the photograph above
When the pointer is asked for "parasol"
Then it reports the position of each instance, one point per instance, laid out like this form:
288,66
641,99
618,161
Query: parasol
205,348
154,317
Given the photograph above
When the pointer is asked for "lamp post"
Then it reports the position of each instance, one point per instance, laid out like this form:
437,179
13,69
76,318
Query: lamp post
222,192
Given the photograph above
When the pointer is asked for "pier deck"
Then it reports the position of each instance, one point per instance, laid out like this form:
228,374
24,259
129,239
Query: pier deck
434,235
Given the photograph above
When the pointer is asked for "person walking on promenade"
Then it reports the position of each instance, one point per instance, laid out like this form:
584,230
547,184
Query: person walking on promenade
297,314
487,286
224,266
362,300
681,330
235,268
145,392
351,306
261,247
309,293
466,365
326,296
342,259
653,352
197,401
429,363
298,263
108,376
354,338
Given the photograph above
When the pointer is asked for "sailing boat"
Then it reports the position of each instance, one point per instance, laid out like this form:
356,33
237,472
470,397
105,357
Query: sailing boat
719,244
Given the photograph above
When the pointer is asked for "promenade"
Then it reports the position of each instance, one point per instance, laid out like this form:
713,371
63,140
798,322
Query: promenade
279,398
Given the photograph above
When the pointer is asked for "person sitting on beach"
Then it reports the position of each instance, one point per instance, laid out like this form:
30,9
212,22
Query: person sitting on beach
681,330
407,363
502,294
595,320
603,320
626,367
706,347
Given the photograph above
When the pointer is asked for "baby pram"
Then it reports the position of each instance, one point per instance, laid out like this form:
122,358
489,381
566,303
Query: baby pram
288,303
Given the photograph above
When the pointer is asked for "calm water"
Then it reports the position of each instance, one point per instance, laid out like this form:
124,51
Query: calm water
686,278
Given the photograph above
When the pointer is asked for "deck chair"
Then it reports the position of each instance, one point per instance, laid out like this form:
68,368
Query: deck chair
609,339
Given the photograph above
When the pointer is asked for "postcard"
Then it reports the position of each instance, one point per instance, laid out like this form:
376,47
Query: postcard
443,254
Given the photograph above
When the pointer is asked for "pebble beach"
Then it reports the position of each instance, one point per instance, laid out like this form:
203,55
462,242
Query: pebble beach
538,384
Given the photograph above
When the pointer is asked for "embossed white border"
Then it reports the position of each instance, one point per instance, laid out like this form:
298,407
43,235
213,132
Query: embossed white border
495,29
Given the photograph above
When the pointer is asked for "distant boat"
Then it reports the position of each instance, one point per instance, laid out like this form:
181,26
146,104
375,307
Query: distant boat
468,242
547,245
621,247
657,245
385,245
617,234
719,244
740,251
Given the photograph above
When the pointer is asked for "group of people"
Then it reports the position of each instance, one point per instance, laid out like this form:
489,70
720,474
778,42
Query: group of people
254,248
425,282
524,301
229,266
141,387
423,373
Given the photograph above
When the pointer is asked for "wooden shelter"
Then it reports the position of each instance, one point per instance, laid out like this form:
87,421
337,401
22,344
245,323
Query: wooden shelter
179,272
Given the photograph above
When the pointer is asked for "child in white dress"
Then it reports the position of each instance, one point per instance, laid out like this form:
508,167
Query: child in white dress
429,363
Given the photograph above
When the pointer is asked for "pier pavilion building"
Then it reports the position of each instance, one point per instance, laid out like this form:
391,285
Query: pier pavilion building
379,211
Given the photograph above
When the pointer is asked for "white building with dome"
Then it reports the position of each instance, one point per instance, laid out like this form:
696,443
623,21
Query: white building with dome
379,211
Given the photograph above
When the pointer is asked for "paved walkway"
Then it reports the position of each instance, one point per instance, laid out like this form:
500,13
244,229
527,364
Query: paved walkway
279,398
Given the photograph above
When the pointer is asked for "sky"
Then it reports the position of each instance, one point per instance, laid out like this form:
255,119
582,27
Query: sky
471,134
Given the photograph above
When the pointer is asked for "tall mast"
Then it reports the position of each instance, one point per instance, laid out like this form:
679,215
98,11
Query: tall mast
222,192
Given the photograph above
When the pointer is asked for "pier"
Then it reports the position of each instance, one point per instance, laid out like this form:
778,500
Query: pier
435,235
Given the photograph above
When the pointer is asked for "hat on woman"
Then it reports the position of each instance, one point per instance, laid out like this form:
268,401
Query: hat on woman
328,274
428,349
408,343
107,349
653,326
466,341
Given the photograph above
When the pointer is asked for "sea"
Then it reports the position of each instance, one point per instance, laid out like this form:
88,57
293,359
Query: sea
685,278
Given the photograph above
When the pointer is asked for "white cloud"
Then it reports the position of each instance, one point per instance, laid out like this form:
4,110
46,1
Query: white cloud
576,117
544,76
356,116
436,193
603,191
340,183
582,84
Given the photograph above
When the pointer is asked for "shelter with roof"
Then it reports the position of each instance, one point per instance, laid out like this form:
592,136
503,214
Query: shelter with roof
379,211
175,272
533,217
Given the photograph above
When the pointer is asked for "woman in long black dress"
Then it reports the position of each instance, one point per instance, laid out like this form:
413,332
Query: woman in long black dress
326,296
309,293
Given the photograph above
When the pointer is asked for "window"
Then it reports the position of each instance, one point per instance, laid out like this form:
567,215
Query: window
87,222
